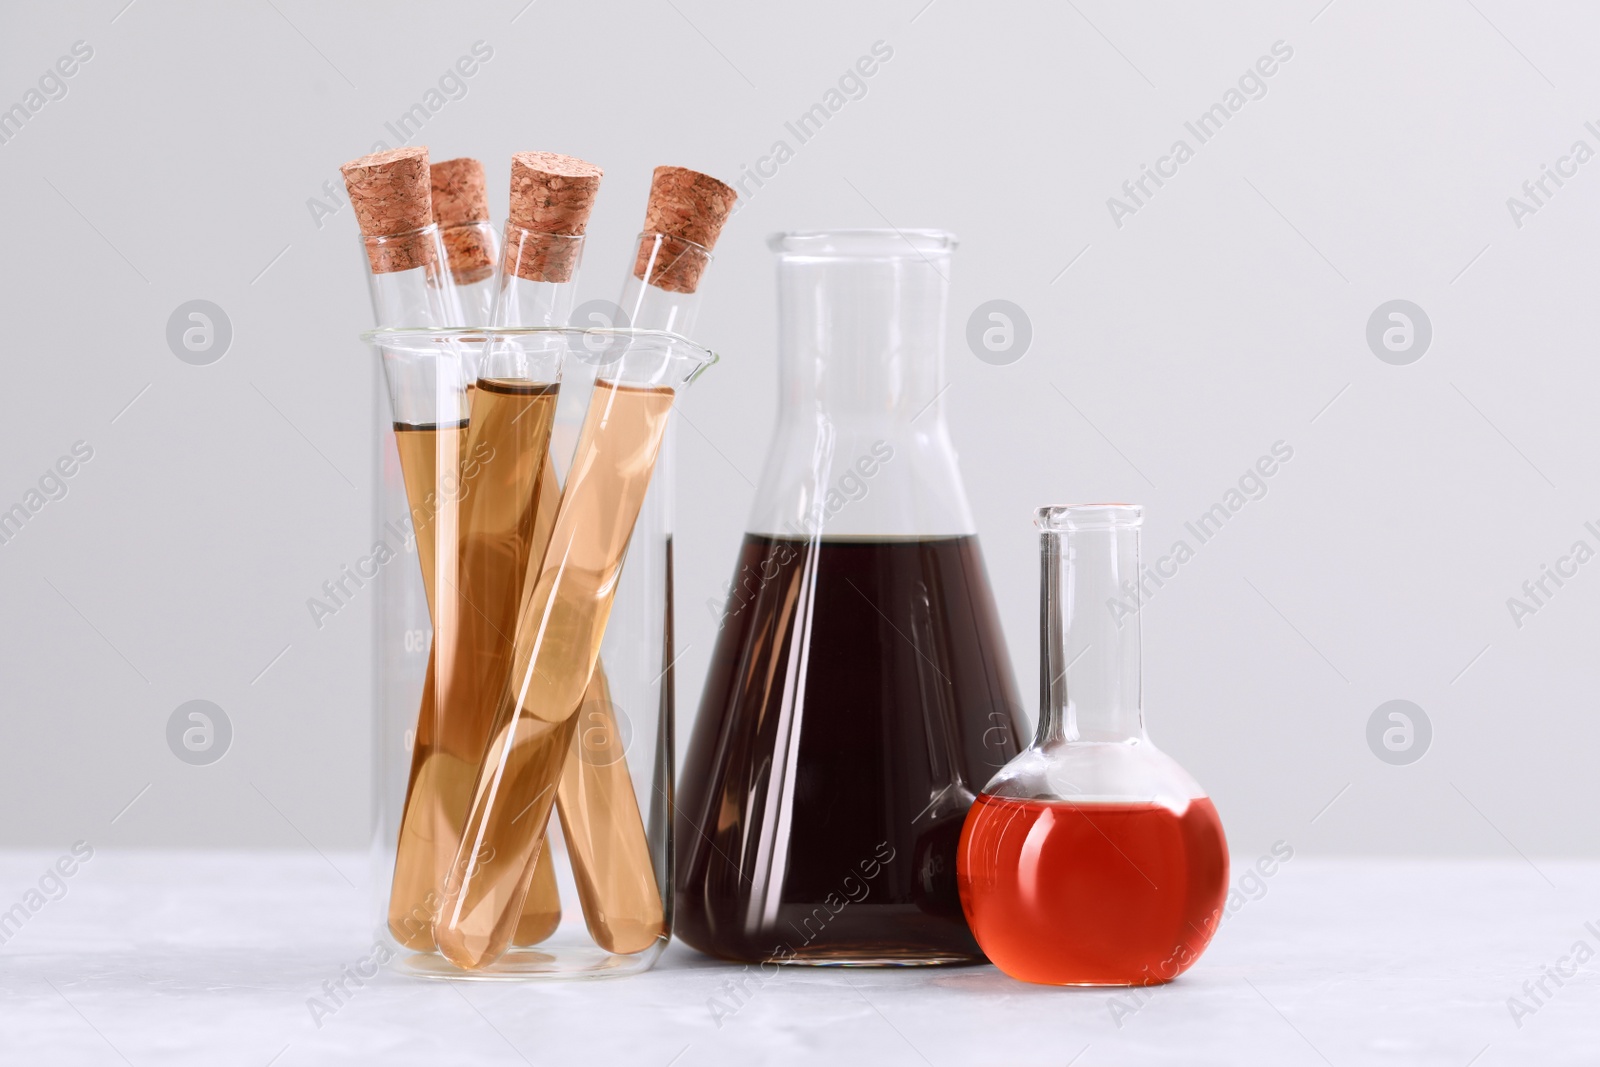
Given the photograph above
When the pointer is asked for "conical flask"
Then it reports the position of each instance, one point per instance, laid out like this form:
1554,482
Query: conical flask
860,691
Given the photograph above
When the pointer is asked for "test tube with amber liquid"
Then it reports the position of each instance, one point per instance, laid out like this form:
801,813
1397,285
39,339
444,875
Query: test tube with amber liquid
413,288
504,491
608,836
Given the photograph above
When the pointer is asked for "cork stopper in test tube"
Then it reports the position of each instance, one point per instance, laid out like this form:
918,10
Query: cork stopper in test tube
688,209
461,208
391,193
551,198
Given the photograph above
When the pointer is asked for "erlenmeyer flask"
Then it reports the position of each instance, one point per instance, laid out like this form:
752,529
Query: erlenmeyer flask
860,691
1092,858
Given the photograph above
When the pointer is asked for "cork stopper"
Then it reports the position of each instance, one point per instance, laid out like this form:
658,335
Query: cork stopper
391,194
551,193
688,208
551,197
460,192
460,201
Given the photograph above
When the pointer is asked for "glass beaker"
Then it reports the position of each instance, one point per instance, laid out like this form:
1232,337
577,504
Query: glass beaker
436,717
1092,858
860,688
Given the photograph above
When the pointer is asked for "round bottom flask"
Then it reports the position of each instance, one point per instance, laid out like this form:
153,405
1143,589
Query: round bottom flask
1092,858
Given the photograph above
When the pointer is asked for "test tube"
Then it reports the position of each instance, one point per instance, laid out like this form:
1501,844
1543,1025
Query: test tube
542,744
411,286
600,816
461,209
407,278
505,488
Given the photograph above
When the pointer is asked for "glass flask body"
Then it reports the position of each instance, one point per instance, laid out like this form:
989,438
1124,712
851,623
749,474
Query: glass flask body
1092,858
860,688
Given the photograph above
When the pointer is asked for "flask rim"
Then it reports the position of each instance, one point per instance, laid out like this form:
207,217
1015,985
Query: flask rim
862,244
1073,518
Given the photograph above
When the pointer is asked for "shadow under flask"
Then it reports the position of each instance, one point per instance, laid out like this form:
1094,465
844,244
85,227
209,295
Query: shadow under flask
860,689
1092,858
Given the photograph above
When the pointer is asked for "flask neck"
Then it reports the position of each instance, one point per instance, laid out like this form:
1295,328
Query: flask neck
860,447
1089,678
861,326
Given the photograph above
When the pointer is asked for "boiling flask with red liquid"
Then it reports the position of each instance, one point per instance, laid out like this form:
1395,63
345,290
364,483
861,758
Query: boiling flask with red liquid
1092,858
860,690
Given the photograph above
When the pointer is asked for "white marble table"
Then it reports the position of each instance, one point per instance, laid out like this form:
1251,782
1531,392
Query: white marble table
211,958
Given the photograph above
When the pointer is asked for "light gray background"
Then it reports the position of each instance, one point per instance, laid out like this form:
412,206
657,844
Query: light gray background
1168,354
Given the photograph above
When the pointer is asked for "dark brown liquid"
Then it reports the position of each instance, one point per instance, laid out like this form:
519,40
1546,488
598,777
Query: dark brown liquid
859,695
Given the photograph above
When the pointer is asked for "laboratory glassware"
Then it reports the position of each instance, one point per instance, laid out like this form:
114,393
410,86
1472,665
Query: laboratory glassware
1092,858
860,690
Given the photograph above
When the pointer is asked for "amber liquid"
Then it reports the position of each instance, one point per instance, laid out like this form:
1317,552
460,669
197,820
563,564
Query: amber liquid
503,478
606,839
555,649
859,694
605,833
502,460
1093,894
425,450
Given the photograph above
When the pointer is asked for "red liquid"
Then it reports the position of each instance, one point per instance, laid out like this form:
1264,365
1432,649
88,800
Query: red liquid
1092,894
